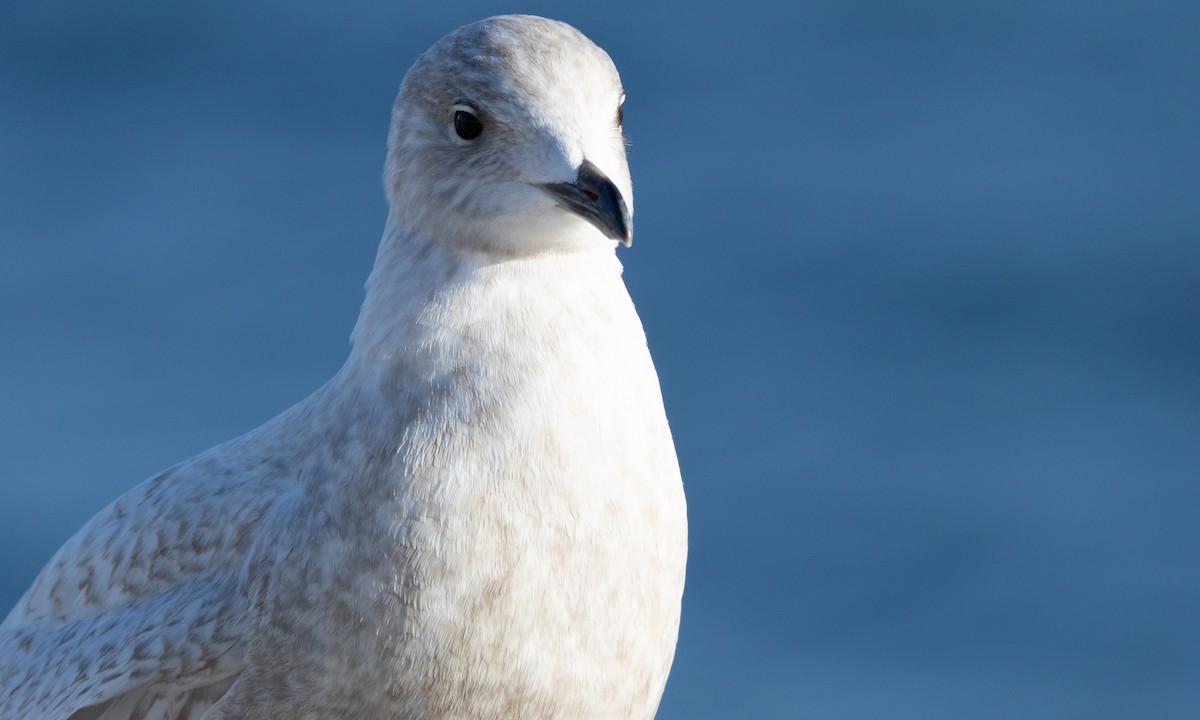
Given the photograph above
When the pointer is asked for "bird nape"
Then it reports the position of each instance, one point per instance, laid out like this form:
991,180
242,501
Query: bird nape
479,516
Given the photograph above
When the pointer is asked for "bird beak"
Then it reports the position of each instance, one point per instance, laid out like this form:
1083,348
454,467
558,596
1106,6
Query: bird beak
593,197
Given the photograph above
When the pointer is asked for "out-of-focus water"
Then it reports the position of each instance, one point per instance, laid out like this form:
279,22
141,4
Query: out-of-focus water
922,282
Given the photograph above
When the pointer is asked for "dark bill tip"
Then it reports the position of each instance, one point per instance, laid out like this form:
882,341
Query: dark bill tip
593,197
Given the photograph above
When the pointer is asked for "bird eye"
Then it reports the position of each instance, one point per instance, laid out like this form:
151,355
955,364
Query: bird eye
467,125
621,110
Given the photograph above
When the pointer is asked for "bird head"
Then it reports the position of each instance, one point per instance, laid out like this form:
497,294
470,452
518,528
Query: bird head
506,137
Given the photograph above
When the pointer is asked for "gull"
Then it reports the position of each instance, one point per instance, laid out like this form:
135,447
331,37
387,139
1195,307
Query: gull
479,516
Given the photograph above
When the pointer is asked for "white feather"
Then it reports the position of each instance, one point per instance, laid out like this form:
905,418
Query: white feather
480,516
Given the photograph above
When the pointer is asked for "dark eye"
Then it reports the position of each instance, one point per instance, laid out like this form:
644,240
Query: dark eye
620,116
467,125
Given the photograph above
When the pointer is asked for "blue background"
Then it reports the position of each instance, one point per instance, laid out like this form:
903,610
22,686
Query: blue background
922,282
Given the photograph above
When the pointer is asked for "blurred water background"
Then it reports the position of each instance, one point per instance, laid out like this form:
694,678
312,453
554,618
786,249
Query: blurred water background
922,281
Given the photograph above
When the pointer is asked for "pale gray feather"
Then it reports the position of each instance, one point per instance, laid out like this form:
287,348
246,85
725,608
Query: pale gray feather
480,516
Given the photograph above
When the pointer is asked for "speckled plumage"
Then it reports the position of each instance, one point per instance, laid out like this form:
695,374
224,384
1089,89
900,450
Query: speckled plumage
480,516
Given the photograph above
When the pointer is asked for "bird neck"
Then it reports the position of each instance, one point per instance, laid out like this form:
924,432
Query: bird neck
424,297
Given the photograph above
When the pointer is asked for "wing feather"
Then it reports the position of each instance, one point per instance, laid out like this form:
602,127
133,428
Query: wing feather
141,614
160,650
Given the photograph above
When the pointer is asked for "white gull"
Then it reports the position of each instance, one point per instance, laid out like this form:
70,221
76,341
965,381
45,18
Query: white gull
480,516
